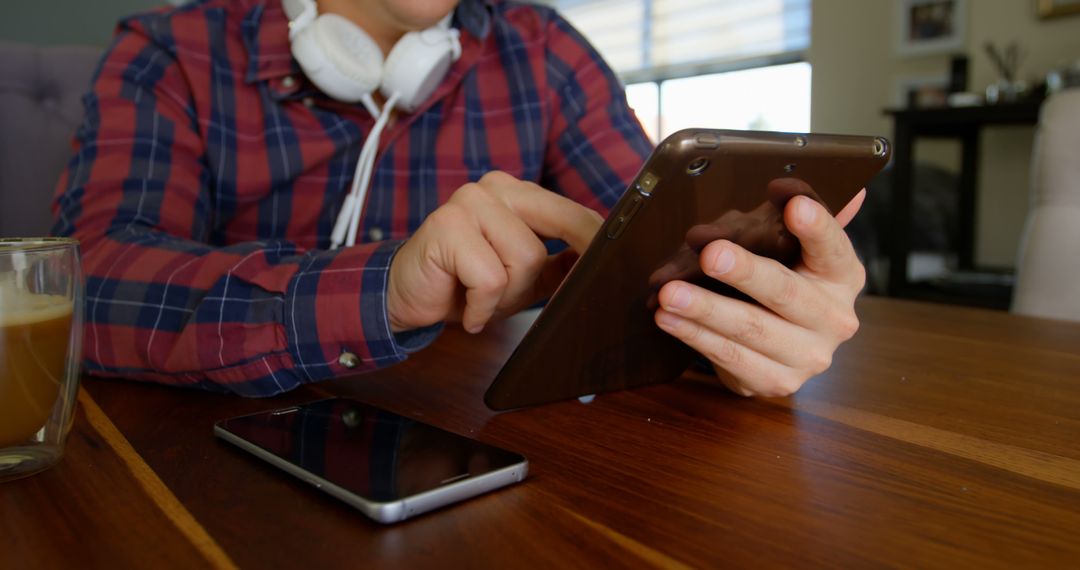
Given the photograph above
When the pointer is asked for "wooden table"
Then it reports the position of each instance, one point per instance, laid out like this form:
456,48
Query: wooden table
942,436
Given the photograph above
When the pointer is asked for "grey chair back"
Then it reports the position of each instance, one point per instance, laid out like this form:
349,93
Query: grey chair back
41,89
1048,271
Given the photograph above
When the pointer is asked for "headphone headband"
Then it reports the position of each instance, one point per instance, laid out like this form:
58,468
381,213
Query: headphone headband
342,60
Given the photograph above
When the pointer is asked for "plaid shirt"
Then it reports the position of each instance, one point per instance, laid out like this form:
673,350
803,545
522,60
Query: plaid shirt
208,174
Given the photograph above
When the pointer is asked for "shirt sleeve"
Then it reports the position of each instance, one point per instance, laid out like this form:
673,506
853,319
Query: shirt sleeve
596,145
162,304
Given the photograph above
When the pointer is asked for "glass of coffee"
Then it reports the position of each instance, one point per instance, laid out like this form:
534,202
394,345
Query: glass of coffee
41,310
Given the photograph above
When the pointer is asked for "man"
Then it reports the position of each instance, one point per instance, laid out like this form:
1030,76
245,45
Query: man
209,171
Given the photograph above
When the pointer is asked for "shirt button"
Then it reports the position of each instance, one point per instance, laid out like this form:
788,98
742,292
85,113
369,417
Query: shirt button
376,234
348,360
288,82
309,102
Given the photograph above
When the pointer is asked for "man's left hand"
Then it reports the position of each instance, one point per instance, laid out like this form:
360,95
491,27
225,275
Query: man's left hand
805,313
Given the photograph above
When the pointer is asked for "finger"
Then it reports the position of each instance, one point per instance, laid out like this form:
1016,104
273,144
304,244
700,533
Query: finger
783,190
482,274
740,368
545,212
848,212
826,249
778,288
748,325
519,249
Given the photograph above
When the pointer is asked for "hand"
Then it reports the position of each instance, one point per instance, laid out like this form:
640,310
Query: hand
480,255
805,313
760,230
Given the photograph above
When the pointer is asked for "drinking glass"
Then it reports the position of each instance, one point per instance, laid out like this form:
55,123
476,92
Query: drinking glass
41,313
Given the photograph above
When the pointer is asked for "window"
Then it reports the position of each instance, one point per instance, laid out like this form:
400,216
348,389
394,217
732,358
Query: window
736,64
644,99
774,98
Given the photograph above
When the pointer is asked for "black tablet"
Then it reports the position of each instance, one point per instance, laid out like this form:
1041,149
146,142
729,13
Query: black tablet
597,333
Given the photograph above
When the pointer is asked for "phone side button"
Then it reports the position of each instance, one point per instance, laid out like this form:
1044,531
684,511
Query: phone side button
616,227
622,219
706,141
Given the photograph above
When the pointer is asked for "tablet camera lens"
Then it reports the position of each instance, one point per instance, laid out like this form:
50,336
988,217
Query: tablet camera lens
880,147
697,166
789,168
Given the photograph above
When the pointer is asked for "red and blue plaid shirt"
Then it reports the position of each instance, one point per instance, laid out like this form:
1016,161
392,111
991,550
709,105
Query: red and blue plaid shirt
208,174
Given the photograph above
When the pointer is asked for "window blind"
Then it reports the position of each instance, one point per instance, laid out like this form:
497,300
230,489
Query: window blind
655,39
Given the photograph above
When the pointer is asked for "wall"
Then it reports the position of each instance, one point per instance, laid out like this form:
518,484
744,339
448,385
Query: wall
67,21
856,75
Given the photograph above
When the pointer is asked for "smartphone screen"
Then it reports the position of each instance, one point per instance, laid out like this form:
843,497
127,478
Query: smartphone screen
389,466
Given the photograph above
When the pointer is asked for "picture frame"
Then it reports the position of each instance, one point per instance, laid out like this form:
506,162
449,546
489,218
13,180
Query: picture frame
1057,8
926,27
920,92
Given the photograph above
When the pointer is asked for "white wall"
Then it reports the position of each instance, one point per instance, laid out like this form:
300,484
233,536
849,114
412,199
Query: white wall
856,73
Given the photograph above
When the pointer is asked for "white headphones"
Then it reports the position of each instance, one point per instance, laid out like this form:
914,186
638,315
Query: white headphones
345,63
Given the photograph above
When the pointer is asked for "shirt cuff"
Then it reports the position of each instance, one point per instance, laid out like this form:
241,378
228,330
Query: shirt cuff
335,314
418,339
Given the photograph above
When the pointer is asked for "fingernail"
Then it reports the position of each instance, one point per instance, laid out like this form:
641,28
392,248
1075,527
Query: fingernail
723,262
475,329
680,299
806,210
667,321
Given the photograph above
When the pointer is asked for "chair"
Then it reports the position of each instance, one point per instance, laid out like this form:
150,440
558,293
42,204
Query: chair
40,107
1048,270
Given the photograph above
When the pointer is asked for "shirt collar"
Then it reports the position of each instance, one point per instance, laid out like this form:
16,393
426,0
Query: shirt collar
265,28
473,17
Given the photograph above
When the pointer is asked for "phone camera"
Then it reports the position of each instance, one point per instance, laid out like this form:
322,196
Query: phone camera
697,166
789,168
352,418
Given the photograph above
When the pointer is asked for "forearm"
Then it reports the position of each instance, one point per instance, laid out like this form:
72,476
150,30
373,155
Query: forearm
255,319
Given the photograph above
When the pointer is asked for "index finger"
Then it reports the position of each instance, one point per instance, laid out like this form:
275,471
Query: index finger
547,213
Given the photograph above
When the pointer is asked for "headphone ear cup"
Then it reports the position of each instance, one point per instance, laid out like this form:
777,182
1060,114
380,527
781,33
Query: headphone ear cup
339,58
417,64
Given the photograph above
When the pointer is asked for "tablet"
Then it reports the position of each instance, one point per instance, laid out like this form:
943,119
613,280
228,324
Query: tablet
597,332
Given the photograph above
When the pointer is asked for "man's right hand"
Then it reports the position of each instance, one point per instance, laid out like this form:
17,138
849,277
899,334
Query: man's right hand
480,255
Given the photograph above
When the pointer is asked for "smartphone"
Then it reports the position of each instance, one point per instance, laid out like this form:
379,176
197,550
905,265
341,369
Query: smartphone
387,466
597,333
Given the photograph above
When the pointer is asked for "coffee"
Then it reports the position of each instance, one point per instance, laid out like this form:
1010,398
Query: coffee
34,334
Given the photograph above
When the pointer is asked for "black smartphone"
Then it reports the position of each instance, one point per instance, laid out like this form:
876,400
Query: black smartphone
388,466
597,332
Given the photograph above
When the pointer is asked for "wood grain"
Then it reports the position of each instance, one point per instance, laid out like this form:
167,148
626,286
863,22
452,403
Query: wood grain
941,437
1028,462
99,508
153,487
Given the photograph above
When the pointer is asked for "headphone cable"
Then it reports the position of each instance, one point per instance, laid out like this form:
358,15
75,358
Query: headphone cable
348,221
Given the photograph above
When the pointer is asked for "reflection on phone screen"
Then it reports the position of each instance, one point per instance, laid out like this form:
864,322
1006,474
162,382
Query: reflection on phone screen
371,452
